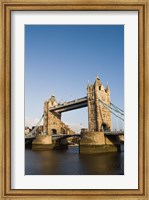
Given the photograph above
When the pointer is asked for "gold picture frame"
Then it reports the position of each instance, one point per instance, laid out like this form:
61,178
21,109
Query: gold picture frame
5,98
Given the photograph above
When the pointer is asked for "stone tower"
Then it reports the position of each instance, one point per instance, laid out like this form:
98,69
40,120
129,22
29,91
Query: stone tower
99,117
52,120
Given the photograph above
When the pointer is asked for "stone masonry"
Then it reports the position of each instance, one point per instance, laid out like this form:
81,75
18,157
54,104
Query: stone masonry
52,120
99,117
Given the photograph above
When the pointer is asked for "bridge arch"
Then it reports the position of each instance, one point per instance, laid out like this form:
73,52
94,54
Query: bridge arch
54,131
105,127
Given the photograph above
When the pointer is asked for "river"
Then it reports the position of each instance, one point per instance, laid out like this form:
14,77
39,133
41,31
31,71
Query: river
70,162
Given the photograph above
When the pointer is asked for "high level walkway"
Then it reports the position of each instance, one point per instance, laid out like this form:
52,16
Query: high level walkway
70,105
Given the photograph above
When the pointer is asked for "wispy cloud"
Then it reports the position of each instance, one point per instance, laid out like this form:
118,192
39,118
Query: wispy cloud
32,121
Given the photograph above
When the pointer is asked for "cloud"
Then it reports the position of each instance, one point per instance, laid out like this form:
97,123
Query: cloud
32,121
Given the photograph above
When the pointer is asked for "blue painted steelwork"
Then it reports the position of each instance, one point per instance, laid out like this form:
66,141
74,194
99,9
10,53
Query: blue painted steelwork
70,105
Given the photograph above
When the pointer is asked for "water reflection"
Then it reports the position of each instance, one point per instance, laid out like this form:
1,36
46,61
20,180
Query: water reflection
70,162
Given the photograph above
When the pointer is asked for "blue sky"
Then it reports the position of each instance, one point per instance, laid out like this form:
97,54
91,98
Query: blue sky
61,59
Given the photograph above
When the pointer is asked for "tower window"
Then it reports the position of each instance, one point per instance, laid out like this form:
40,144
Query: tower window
100,87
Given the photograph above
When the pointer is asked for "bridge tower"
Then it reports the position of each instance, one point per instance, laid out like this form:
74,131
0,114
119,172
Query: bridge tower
99,118
52,120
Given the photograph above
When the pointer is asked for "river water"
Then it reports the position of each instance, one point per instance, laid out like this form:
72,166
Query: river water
70,162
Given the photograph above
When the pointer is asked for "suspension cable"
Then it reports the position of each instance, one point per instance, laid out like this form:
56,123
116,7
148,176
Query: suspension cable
111,109
35,128
116,110
117,107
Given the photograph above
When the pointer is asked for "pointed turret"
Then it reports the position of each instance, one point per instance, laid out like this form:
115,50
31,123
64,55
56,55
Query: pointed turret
97,84
52,101
97,80
107,88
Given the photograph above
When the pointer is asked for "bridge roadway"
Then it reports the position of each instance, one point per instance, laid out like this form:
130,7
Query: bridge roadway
70,105
63,136
30,137
106,133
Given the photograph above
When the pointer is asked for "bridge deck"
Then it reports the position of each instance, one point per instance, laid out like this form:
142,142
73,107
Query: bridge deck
72,135
70,105
30,137
114,133
56,136
63,136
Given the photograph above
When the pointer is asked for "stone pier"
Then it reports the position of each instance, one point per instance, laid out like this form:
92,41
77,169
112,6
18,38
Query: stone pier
45,142
42,142
97,142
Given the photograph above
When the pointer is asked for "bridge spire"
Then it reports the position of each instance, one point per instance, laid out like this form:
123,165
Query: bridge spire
97,78
97,83
107,87
88,84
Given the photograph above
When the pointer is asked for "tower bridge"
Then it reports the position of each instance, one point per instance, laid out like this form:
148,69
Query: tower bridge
99,132
99,117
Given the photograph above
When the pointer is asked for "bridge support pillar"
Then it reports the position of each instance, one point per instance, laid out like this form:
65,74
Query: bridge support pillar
97,142
42,142
45,142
